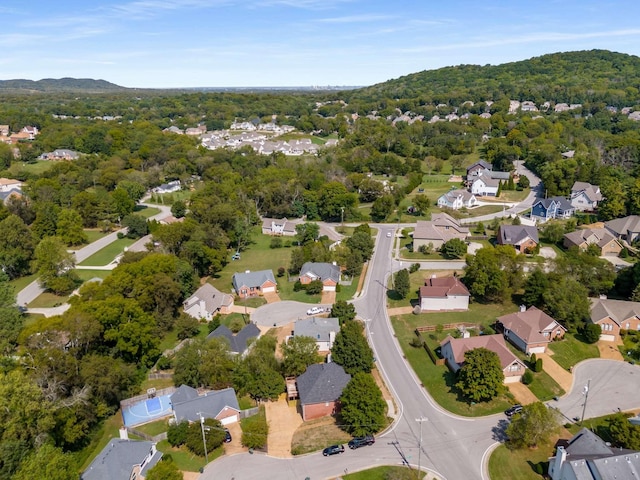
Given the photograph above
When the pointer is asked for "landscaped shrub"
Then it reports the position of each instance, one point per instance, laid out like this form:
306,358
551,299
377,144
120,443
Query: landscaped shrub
177,433
164,363
298,286
315,287
591,332
255,430
276,242
538,367
414,267
236,325
527,378
281,271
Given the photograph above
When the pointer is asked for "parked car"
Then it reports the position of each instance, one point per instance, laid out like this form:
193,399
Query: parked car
235,256
358,442
512,410
389,234
227,435
333,450
315,310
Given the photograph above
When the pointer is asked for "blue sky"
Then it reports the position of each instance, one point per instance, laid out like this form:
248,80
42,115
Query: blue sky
196,43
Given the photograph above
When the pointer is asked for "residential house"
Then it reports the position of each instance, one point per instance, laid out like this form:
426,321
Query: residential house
613,316
440,229
456,199
605,241
174,129
253,284
5,130
195,131
478,166
531,330
60,154
188,405
13,193
169,219
552,208
585,197
443,294
8,184
524,238
123,459
320,388
239,342
327,273
485,186
322,330
453,351
624,229
587,457
30,131
170,187
273,226
207,302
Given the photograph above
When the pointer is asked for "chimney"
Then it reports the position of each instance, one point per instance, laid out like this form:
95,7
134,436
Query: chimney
124,434
523,308
555,464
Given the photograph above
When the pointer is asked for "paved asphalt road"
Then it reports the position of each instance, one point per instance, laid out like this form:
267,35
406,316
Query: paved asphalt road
33,290
281,313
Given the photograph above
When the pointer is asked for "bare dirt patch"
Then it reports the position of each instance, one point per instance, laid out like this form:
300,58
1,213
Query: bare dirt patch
283,419
317,434
328,298
609,350
522,393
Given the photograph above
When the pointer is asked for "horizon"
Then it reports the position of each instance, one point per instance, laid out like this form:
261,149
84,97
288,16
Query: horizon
288,44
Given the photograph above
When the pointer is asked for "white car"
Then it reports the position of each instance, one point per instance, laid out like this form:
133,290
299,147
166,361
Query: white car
315,310
389,234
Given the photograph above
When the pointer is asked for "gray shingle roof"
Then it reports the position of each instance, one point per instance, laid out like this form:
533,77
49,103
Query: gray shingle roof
322,382
237,342
617,310
117,459
213,298
252,279
323,271
620,226
317,328
514,234
208,405
183,393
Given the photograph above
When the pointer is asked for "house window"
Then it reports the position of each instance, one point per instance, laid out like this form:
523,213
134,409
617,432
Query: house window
627,327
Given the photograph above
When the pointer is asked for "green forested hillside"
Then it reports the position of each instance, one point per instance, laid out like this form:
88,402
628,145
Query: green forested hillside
571,77
59,85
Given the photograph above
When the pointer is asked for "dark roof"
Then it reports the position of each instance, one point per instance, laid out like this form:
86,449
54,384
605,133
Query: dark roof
482,163
322,270
117,459
318,328
562,202
183,393
514,234
237,342
322,382
208,405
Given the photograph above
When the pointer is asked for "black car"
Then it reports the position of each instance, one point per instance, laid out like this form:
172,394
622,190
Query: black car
333,450
227,435
358,442
517,408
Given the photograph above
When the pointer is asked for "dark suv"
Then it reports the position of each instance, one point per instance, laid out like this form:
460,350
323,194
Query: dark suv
358,442
333,450
227,435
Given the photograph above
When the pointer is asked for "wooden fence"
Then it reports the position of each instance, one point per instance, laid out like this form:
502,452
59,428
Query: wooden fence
139,398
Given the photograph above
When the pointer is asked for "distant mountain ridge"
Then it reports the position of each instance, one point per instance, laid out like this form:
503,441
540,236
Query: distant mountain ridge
59,85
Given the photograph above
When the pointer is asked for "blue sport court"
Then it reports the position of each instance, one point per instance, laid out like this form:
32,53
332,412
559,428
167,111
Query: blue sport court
146,411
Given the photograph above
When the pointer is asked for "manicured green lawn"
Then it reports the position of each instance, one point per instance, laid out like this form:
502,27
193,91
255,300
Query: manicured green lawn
34,168
572,350
145,211
545,387
85,275
383,473
108,253
47,300
169,198
94,234
184,459
505,464
437,379
154,428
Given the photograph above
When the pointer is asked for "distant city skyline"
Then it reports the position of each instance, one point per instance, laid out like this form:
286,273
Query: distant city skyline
295,43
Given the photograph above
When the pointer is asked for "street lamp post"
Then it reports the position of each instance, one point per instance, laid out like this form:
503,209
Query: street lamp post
204,440
421,420
585,392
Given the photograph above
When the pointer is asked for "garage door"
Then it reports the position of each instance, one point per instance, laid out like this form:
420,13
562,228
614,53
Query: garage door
269,289
608,338
515,379
537,349
330,288
228,420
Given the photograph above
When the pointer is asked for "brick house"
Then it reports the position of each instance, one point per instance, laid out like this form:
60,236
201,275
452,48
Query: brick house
524,238
320,388
206,302
531,330
605,241
327,273
454,349
613,316
253,284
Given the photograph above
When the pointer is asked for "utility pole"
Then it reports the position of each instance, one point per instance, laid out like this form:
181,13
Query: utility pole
421,420
585,392
204,440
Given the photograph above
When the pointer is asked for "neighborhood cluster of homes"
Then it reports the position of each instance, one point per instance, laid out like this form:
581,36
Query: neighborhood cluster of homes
529,329
26,133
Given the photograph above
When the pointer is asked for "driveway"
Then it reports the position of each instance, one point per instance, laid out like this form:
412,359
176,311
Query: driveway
284,420
613,386
609,350
522,393
281,313
555,371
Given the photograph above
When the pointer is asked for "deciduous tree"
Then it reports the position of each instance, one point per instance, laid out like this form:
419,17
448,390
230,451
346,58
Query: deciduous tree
402,283
363,407
298,353
351,349
481,378
535,424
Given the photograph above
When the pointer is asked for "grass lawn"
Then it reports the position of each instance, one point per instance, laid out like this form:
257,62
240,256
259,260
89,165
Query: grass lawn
417,279
572,350
145,211
257,256
21,282
505,464
154,428
94,234
85,275
545,387
34,168
157,383
437,379
47,300
316,435
629,349
108,253
184,459
169,198
383,473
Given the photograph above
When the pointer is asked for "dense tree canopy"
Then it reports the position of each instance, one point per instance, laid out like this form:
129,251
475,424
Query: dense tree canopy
481,377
